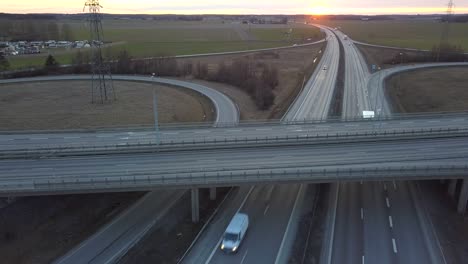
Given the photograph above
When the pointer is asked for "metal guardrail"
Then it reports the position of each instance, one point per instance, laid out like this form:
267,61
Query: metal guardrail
203,143
249,123
135,181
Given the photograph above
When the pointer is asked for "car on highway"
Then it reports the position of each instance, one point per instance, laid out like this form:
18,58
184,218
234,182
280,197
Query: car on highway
325,68
235,232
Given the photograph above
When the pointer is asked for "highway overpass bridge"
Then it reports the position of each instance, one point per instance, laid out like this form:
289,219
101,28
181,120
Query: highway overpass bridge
79,143
414,159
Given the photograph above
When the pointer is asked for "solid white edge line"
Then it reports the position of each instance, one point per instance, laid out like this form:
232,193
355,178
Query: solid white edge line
221,238
299,193
245,255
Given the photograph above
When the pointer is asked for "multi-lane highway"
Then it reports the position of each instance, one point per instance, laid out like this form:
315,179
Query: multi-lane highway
270,208
376,222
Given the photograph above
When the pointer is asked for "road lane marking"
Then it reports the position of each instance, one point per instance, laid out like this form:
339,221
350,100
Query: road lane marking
263,129
390,221
394,185
362,213
363,260
234,130
385,186
42,168
202,132
104,136
394,246
388,202
171,133
124,165
71,137
207,160
38,138
245,255
266,209
361,182
124,138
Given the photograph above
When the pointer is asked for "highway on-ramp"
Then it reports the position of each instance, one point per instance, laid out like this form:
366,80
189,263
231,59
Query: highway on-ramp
226,110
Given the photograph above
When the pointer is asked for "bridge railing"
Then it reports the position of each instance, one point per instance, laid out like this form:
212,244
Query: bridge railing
148,181
203,142
244,123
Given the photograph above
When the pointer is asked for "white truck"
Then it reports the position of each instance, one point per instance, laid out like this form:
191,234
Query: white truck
235,232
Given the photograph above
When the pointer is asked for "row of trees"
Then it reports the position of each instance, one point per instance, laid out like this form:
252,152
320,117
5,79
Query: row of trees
258,80
35,30
442,53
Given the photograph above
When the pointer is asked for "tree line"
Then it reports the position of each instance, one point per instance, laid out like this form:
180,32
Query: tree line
439,53
35,30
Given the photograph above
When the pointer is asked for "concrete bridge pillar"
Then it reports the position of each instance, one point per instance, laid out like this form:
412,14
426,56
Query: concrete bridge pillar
452,187
213,194
463,197
195,205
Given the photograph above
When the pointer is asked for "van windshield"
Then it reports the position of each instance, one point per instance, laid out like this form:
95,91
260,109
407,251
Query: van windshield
231,237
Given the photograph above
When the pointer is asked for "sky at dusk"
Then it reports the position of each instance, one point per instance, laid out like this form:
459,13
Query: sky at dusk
369,7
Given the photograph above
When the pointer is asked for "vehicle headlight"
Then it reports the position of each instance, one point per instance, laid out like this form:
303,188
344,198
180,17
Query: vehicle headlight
222,246
234,249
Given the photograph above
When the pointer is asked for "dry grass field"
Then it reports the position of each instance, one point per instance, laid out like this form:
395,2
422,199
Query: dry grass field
430,90
66,105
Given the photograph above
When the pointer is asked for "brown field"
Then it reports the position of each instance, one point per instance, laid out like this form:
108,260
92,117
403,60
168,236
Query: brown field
381,56
430,90
66,105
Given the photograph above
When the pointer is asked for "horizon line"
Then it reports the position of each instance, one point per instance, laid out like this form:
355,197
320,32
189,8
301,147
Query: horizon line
251,14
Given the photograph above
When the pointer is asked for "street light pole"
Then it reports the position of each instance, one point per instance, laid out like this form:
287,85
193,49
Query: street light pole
156,120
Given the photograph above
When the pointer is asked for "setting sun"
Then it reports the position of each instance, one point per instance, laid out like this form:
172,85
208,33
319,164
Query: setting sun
318,10
319,7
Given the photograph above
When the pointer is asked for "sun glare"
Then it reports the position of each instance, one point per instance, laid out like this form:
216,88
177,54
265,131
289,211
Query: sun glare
318,10
319,7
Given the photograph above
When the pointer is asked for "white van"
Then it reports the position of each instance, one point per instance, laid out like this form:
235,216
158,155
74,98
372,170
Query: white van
235,232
